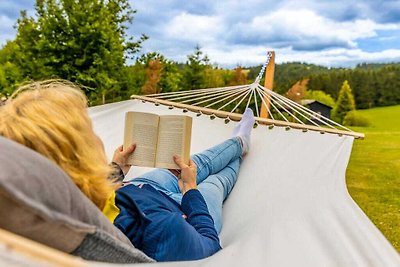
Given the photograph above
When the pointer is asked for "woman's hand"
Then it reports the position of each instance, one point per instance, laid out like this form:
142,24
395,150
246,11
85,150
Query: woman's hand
121,155
187,177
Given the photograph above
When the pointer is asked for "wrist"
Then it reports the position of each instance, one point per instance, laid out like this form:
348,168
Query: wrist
187,188
118,174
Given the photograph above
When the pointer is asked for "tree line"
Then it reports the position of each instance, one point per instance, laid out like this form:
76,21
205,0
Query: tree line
373,85
93,49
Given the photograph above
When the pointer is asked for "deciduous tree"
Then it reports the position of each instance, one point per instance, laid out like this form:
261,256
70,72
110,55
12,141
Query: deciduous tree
83,41
239,76
169,75
320,96
153,77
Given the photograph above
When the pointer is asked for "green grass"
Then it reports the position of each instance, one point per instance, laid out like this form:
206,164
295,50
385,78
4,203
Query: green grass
373,174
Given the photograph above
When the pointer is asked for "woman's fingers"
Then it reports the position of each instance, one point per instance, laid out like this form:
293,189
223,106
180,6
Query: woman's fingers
179,162
129,150
121,156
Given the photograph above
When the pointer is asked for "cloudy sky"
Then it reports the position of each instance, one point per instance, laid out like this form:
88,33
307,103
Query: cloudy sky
232,32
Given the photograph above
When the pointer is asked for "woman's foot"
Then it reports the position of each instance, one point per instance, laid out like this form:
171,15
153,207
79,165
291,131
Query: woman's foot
243,129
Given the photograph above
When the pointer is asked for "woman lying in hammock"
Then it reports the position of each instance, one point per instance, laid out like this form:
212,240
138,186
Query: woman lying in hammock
168,214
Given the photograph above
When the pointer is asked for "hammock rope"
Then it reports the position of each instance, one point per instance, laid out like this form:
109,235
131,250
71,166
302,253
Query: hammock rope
219,101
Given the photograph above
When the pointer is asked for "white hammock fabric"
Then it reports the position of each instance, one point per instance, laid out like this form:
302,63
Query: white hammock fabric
290,206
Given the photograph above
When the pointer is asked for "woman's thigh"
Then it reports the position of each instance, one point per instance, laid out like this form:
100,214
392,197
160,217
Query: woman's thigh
161,179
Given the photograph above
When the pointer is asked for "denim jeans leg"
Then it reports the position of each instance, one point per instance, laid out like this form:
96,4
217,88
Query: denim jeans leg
214,159
162,180
216,188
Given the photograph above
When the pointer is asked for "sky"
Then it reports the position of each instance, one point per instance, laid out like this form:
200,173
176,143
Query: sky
335,33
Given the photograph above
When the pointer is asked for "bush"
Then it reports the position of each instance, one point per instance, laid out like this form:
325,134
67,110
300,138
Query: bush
353,118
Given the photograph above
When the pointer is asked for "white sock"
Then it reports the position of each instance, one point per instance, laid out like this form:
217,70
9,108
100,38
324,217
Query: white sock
243,129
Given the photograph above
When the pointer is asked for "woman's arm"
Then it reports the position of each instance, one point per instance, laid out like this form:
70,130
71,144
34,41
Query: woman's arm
195,208
193,203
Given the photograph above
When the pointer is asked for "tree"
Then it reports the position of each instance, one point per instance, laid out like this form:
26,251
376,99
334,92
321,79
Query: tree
10,73
133,79
298,91
216,77
344,103
169,76
363,88
239,77
194,75
153,77
66,41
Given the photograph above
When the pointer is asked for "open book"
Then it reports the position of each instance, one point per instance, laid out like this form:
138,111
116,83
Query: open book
157,139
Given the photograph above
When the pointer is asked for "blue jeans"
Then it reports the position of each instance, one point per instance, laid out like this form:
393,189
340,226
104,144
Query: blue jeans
217,172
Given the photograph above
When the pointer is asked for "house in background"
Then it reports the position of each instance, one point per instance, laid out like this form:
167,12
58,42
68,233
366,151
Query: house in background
298,92
317,107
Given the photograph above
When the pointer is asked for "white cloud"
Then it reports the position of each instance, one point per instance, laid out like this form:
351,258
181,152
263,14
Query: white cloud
304,29
195,28
296,35
338,57
237,55
257,55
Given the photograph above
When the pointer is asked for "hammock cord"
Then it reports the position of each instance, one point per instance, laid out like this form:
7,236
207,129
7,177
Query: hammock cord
252,95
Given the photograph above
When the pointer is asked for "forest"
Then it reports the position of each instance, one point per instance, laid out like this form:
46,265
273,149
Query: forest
93,50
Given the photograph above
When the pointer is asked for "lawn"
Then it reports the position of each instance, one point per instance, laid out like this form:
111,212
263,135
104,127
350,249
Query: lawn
373,174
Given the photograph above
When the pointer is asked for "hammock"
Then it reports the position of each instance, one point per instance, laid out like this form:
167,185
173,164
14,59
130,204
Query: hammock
290,206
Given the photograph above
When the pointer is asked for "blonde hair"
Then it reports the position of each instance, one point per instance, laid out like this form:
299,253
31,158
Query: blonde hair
50,117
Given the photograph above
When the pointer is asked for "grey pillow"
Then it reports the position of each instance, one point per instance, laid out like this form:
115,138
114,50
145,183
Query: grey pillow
39,201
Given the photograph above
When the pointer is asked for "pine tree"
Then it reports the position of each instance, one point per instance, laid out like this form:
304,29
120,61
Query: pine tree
195,70
344,103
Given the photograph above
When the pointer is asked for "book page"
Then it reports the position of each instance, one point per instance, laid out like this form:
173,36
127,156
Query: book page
142,129
174,139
